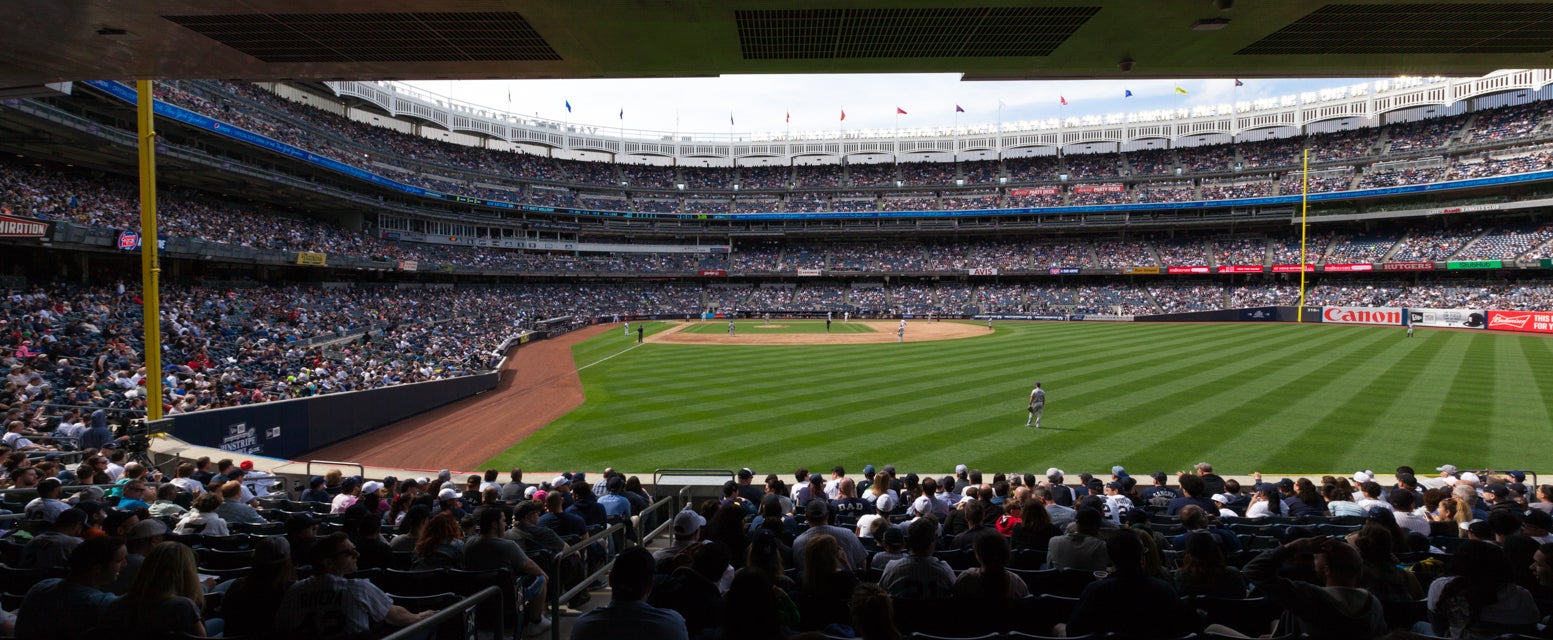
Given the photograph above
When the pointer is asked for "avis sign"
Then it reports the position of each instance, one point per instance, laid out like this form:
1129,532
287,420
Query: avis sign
1529,321
1362,315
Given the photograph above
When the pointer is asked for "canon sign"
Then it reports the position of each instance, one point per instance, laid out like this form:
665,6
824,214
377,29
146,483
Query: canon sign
1362,315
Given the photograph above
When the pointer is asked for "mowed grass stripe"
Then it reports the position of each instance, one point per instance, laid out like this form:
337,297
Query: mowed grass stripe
1517,400
1195,409
1464,419
929,406
1158,413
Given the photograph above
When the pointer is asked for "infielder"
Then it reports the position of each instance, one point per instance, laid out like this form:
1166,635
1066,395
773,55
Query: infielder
900,332
1037,405
730,328
628,329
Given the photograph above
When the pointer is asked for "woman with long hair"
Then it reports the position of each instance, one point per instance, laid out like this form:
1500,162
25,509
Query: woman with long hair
1382,578
1203,571
1307,500
990,579
770,555
410,528
441,544
1478,599
203,517
873,613
250,604
727,526
1035,528
166,598
827,585
1340,500
1265,503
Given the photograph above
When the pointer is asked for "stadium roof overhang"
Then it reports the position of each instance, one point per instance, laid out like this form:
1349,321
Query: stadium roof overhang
54,40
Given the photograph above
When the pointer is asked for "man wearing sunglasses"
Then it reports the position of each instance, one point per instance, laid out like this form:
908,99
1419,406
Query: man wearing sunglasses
330,605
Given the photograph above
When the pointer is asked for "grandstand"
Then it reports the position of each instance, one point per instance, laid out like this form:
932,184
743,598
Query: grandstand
345,261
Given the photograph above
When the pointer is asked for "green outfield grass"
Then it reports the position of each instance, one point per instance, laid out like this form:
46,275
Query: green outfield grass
778,325
1278,398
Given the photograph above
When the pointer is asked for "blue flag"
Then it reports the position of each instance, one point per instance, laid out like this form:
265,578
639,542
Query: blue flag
959,109
622,113
568,106
1129,93
730,119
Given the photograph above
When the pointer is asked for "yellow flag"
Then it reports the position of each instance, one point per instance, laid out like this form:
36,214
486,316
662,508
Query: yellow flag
1180,90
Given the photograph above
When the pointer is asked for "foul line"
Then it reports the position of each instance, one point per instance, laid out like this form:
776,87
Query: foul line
610,356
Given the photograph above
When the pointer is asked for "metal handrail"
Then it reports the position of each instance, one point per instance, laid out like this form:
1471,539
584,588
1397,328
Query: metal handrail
426,627
361,470
664,504
582,585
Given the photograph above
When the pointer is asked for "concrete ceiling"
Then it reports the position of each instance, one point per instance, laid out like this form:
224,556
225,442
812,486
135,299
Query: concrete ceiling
59,40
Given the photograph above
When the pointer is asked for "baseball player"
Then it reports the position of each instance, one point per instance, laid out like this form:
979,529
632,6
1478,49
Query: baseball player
1037,405
730,328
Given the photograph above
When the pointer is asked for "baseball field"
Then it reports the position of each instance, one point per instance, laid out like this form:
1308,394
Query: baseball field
1276,398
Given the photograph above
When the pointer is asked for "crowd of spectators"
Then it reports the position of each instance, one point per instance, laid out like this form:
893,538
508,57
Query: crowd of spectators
1237,189
1505,123
1206,159
1421,135
927,173
1084,166
1270,154
872,175
1032,169
1425,245
1240,251
1508,243
1150,162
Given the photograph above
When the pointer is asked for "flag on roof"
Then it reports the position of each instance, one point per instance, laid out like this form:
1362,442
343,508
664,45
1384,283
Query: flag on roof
899,111
730,118
1002,104
1238,83
1063,99
568,106
1129,93
622,113
843,115
1180,90
789,117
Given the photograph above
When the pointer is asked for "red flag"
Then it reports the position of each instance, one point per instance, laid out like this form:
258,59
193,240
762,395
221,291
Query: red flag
899,111
843,115
789,117
1064,100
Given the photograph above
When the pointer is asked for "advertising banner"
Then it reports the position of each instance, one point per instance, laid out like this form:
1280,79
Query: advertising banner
14,227
1259,314
713,272
1187,270
1546,263
1035,191
808,272
1460,318
408,265
1240,268
1099,317
130,241
1474,264
1062,271
984,271
1349,267
1530,321
1099,188
1407,266
1362,315
313,259
1292,268
1141,270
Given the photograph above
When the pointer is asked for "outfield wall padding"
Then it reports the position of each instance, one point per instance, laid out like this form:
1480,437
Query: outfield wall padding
1252,314
291,428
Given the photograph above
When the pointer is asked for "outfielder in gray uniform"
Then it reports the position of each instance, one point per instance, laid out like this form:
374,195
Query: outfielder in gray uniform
1037,405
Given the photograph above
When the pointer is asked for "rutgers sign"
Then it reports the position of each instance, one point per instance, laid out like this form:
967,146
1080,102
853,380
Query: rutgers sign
1362,315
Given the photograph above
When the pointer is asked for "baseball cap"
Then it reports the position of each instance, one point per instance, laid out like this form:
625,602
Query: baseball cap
868,471
1498,490
923,505
529,492
150,528
447,493
1447,468
745,474
1470,477
615,483
1285,484
1363,476
688,522
298,522
560,481
1382,515
1222,498
315,481
817,510
960,468
1054,472
886,503
1116,485
893,537
371,487
247,465
444,474
1520,476
1539,519
1118,471
540,495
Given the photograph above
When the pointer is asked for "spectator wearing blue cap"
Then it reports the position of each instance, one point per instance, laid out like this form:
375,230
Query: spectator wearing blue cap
316,491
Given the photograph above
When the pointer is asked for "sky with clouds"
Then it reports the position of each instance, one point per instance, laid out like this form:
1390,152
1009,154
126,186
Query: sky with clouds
761,103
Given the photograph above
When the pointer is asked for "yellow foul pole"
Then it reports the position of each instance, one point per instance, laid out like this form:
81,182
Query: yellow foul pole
149,270
1304,206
